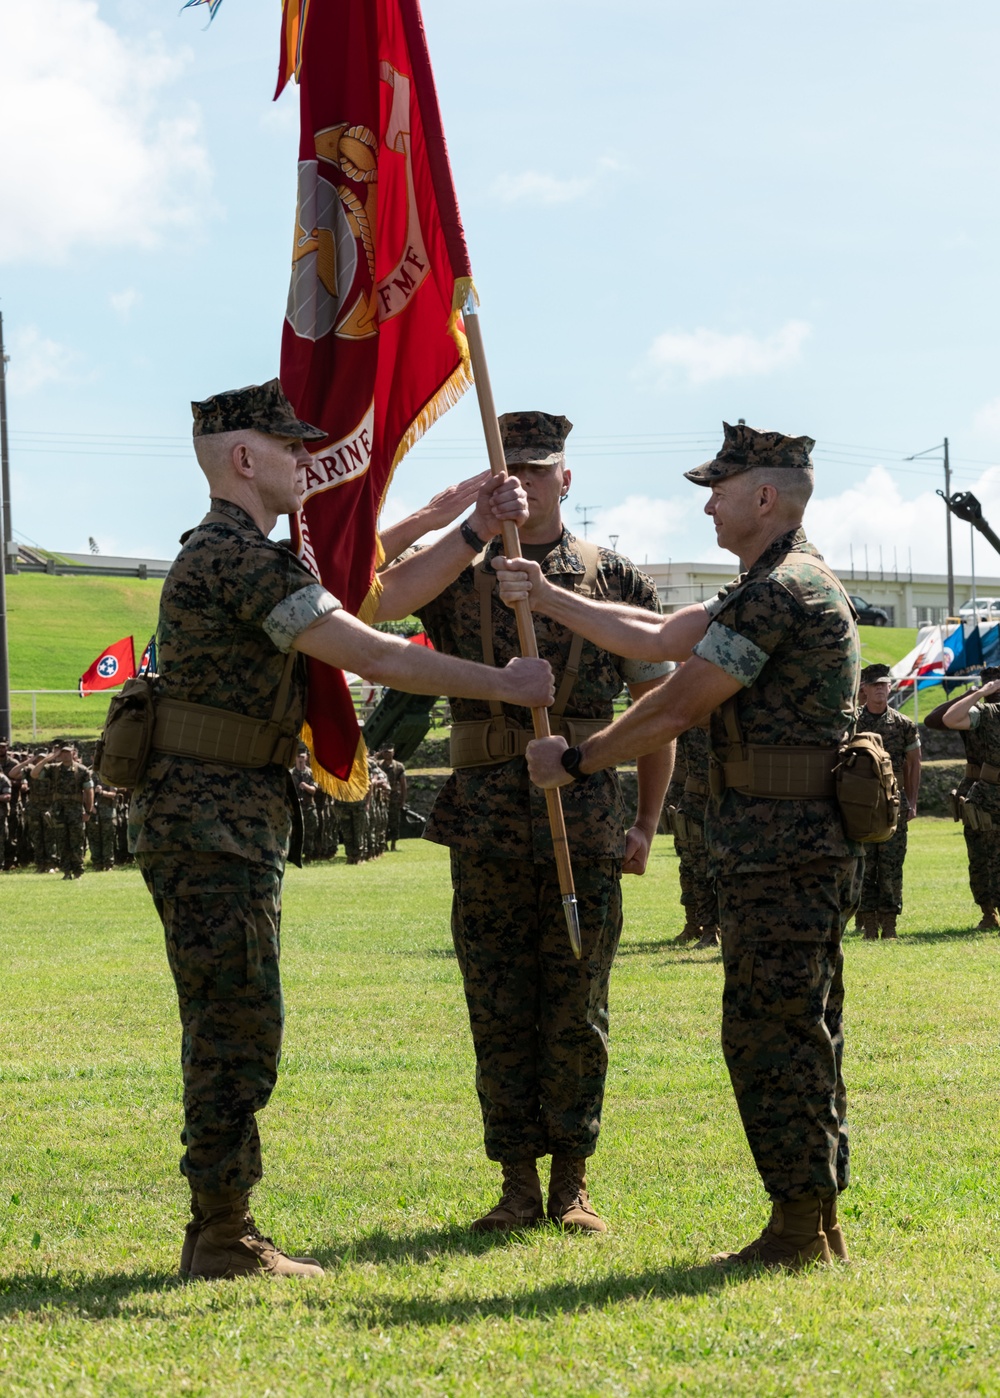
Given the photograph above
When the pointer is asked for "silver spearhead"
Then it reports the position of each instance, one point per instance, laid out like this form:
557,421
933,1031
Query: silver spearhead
573,923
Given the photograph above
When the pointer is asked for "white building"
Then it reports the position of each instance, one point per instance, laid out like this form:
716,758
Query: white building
911,599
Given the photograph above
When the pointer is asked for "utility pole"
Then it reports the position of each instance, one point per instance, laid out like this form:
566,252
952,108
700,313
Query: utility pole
8,553
5,520
945,496
585,511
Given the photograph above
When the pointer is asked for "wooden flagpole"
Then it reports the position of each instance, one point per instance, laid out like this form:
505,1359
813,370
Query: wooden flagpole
522,613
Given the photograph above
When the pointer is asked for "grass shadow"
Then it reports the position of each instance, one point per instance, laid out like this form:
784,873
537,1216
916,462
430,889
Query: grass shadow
93,1295
383,1246
931,936
531,1303
682,954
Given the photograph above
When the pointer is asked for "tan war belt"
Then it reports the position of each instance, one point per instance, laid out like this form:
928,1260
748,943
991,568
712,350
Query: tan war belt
972,771
987,773
490,741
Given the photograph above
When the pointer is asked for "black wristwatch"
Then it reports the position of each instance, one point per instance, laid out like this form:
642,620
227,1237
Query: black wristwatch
571,760
471,537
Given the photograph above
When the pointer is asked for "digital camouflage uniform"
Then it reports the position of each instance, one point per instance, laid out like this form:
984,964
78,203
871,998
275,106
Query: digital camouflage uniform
351,825
6,796
539,1017
39,822
395,772
377,810
102,826
982,846
211,840
786,873
698,895
882,884
310,817
66,788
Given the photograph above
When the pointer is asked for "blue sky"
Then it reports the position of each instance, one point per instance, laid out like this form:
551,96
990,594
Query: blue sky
677,213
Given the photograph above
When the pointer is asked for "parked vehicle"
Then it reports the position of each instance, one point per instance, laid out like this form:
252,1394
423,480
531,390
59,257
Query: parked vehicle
868,614
984,609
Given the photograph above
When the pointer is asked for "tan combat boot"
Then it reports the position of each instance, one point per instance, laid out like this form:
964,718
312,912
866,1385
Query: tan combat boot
191,1231
869,926
793,1238
888,925
832,1229
989,921
520,1204
710,937
569,1204
229,1244
690,932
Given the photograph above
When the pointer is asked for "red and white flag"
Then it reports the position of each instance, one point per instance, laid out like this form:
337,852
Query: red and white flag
373,348
112,667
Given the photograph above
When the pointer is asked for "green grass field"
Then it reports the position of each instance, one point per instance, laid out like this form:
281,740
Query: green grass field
373,1150
57,626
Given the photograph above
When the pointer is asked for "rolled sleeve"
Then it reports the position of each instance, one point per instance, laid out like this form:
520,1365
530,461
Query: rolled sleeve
974,715
297,612
641,671
733,653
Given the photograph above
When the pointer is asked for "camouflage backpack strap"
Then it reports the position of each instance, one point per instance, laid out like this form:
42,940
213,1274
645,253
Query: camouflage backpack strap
591,555
823,567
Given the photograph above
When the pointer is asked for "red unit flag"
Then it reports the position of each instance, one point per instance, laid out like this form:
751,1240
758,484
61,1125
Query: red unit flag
373,348
111,668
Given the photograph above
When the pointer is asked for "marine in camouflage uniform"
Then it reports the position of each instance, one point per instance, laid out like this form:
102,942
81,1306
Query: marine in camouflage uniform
211,840
698,894
305,787
103,826
396,775
982,846
882,885
376,810
977,716
351,824
539,1017
777,665
6,791
70,791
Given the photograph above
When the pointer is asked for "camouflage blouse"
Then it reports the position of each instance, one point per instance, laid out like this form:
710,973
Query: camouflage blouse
899,735
787,633
694,746
67,784
497,809
228,605
985,728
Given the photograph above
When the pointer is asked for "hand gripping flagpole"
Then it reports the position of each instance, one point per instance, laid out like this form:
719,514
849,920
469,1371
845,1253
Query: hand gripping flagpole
522,613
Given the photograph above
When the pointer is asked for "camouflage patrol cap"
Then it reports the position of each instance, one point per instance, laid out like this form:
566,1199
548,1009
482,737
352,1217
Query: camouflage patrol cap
260,406
534,438
876,674
989,672
744,448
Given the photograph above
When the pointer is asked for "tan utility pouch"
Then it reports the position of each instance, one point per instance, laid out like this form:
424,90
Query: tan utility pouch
867,792
123,748
974,816
684,829
694,786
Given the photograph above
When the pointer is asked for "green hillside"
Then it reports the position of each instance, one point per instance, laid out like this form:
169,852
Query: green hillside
57,626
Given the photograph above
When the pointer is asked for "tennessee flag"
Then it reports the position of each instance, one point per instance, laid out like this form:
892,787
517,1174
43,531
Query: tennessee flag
112,667
373,348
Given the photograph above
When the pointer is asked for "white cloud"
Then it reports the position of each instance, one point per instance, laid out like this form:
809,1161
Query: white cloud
123,303
537,188
875,514
35,361
95,152
645,527
986,422
704,355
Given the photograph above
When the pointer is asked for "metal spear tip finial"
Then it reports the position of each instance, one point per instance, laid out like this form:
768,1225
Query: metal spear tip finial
573,923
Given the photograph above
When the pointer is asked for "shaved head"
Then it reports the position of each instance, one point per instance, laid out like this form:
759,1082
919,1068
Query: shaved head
215,452
794,485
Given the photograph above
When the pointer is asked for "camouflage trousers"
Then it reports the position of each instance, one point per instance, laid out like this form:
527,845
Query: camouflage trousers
983,847
698,896
70,835
101,838
42,840
782,1020
310,832
882,886
221,918
395,812
351,819
539,1017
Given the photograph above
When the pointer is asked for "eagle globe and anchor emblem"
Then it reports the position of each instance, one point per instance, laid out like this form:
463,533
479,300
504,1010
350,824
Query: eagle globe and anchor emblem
333,286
